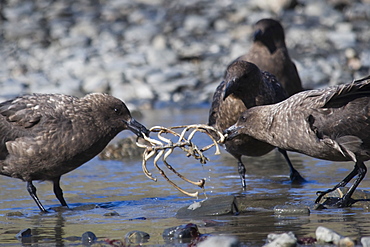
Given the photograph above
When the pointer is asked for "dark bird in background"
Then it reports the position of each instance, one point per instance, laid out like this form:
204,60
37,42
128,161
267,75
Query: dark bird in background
270,53
244,87
331,124
43,136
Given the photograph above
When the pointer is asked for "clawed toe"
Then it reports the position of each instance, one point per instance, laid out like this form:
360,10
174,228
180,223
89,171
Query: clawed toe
338,202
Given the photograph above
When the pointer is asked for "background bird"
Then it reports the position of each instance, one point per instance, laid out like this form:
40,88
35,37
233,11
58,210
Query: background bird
331,124
270,53
245,86
43,136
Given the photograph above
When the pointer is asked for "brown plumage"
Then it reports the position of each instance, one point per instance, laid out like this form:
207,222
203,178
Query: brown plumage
270,53
331,124
43,136
245,86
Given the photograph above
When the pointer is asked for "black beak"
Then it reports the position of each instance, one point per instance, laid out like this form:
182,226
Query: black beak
231,132
230,87
137,128
257,35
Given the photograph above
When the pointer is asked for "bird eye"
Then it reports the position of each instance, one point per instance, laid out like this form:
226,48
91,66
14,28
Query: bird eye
243,118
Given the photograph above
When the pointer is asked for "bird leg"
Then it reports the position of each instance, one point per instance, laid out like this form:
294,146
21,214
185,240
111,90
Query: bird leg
295,177
346,200
241,170
360,170
32,190
58,191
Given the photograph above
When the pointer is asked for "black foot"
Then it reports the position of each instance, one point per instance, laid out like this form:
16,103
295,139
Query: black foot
320,194
337,202
296,178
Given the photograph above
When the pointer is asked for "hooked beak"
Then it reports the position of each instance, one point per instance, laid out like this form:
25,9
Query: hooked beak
230,87
257,35
137,128
231,132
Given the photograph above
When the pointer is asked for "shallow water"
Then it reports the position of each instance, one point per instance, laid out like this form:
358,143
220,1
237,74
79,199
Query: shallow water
99,187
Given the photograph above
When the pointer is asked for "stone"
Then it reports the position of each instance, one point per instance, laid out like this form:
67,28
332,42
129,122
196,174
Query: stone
111,213
291,210
25,233
181,234
136,237
327,235
196,24
14,214
365,241
122,149
161,58
220,241
281,240
88,238
212,206
346,242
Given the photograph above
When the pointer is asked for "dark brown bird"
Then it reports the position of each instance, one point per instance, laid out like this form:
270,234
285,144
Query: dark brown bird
245,86
270,53
331,124
43,136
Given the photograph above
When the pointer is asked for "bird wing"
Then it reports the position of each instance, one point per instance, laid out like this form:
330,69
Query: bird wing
224,112
31,121
343,117
216,101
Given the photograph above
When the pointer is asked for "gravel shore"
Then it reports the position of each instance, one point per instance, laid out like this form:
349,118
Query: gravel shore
161,53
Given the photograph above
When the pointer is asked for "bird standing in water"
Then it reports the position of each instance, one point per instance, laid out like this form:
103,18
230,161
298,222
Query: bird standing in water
244,87
43,136
331,124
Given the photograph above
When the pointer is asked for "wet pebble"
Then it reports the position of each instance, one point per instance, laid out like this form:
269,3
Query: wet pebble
281,240
212,206
220,241
88,238
365,241
136,237
181,234
112,213
326,235
291,210
12,214
25,233
124,148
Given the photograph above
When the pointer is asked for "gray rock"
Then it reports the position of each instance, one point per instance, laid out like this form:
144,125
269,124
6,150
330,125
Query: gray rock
276,6
327,235
25,233
161,58
141,33
111,213
211,206
291,210
365,241
343,37
220,241
281,240
180,234
365,58
88,238
136,237
196,24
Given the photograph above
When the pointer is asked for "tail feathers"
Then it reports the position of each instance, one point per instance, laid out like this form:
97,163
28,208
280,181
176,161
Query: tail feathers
351,145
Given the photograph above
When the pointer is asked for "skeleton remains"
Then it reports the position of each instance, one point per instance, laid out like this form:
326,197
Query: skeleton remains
163,147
